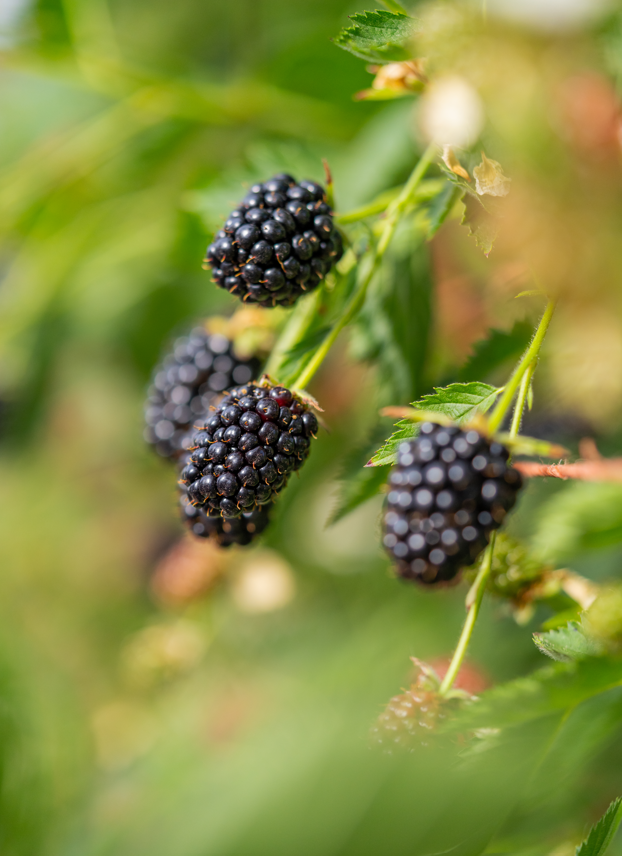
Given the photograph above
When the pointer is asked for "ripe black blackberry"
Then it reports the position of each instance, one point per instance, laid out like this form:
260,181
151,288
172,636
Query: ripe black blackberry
244,453
277,244
449,489
186,382
225,532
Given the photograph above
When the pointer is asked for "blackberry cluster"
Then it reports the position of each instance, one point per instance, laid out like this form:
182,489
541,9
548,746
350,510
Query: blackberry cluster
247,449
277,244
185,384
449,490
224,532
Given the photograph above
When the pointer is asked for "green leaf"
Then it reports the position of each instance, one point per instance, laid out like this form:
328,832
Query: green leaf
567,643
581,516
497,348
378,36
392,330
549,690
441,207
524,445
459,401
601,834
306,345
356,490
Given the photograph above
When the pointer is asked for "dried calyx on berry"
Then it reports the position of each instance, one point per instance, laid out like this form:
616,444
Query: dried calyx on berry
277,244
185,383
448,491
224,532
244,452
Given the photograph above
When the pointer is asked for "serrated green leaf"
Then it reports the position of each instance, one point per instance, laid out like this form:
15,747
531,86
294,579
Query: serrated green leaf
378,36
601,834
567,643
459,401
549,690
497,348
441,207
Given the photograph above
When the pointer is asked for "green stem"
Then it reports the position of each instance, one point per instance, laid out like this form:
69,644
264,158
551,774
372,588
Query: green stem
297,324
531,354
473,604
394,212
522,397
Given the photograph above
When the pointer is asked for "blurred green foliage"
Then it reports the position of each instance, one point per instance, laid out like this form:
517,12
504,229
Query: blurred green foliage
127,130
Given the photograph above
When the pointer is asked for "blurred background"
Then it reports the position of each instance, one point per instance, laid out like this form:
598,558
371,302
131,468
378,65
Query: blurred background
157,696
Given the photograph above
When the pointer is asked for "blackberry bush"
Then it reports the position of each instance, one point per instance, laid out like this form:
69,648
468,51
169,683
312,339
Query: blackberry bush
243,454
277,244
186,382
448,491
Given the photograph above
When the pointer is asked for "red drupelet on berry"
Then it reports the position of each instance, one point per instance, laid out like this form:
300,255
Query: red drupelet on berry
277,244
185,384
448,491
244,453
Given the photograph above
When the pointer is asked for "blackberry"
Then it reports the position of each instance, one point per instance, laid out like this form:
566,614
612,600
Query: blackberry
246,449
409,719
186,382
449,489
277,244
236,530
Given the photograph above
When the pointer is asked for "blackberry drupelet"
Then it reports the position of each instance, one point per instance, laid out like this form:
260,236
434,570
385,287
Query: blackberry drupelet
277,244
409,719
245,451
448,491
185,384
236,530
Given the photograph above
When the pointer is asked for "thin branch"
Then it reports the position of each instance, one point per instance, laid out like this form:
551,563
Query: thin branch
605,469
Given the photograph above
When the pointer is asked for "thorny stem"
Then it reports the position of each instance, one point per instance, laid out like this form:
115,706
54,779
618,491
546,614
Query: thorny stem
473,603
530,355
394,212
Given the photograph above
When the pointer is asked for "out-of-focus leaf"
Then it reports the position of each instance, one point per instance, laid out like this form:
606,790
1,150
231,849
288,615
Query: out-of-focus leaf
481,224
378,36
567,643
601,834
459,401
549,690
357,489
523,445
440,208
496,349
393,327
581,516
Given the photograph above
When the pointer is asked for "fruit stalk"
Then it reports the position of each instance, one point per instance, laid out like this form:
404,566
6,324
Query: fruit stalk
530,355
522,397
394,212
473,603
